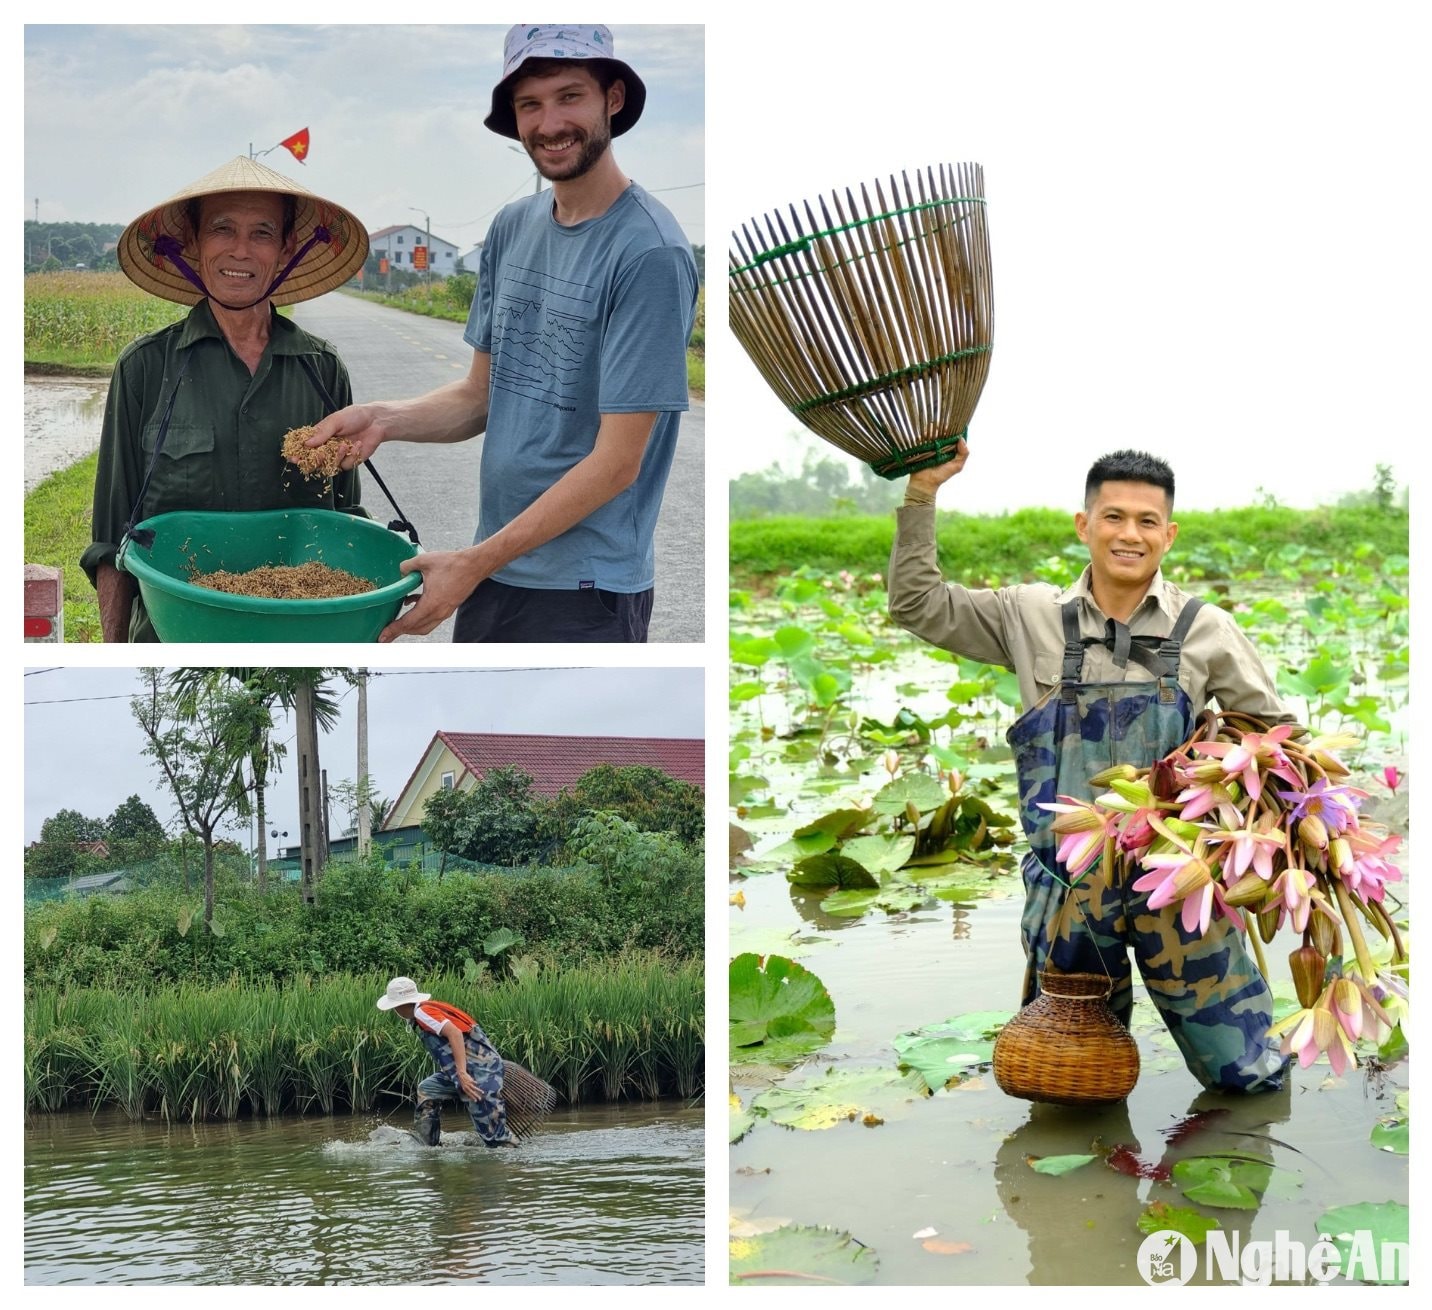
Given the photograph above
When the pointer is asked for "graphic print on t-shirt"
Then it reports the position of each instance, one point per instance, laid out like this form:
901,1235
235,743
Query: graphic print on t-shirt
540,326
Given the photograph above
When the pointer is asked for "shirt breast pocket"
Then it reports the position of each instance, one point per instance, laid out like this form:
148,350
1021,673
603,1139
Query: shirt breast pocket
184,477
1047,671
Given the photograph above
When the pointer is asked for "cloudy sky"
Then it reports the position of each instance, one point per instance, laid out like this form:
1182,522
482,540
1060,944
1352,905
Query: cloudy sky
1206,228
117,118
83,748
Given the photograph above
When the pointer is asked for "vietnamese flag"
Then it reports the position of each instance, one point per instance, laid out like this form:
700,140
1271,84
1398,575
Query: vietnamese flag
297,145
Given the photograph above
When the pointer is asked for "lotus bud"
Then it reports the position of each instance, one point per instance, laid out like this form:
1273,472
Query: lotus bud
1137,793
891,761
1164,780
1080,820
1331,765
1248,891
955,780
1308,965
912,812
1188,831
1267,920
1325,1026
1122,772
1340,854
1313,832
1323,931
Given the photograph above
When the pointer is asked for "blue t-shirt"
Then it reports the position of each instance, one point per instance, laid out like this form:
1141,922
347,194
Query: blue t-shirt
581,321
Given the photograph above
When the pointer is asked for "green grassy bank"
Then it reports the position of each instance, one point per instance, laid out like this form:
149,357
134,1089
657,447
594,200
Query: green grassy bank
992,550
631,1027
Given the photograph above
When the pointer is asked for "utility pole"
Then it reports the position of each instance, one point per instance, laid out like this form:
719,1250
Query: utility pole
364,822
312,834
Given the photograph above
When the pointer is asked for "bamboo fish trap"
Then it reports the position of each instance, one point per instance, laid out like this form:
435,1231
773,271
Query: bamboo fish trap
872,318
528,1099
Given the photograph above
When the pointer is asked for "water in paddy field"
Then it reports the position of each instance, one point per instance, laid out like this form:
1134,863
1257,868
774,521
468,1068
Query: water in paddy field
63,416
605,1194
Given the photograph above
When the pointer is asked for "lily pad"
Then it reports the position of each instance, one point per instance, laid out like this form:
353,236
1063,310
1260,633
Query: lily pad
879,853
796,1254
1179,1219
779,1010
831,870
944,1051
838,824
1058,1164
1390,1133
1359,1232
840,1096
1231,1182
893,900
742,1120
919,789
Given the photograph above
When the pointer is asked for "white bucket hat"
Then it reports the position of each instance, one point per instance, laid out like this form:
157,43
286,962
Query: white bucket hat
330,242
560,41
400,992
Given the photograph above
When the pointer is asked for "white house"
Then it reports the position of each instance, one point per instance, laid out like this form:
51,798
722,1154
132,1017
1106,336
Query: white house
398,244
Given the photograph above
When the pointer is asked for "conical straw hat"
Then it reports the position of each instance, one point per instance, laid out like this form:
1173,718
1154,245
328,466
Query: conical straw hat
326,265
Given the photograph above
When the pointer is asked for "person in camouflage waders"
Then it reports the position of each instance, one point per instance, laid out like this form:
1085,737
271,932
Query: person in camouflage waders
469,1066
1112,670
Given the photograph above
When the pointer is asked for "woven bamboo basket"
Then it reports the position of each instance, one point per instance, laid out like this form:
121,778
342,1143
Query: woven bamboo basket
872,317
528,1099
1067,1046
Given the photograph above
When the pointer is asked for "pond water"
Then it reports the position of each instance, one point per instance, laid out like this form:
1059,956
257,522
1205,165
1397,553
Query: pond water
598,1195
62,422
941,1188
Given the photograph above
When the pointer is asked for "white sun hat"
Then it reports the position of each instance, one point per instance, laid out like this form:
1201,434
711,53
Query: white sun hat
401,991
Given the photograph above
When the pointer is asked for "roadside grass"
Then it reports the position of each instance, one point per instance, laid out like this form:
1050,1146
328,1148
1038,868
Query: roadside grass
57,533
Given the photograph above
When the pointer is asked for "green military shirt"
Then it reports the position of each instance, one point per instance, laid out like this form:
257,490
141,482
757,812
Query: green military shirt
222,450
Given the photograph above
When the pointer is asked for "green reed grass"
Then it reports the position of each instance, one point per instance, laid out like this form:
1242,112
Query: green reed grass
632,1028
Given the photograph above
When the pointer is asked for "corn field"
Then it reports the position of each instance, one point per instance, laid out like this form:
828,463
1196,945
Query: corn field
88,318
632,1028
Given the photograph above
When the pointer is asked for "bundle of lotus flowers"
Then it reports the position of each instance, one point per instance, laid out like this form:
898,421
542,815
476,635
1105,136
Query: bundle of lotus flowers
1259,823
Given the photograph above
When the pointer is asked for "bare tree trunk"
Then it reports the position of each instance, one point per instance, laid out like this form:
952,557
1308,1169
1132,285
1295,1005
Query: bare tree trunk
208,878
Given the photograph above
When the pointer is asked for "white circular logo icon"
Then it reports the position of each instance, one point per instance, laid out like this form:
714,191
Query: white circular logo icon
1166,1257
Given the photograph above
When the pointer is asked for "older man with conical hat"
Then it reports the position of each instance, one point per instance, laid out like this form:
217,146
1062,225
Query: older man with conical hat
197,411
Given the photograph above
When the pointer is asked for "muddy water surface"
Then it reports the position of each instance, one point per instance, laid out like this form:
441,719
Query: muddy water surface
598,1195
63,416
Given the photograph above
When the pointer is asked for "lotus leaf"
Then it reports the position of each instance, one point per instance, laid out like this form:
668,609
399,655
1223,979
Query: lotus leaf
841,1096
831,870
1058,1164
779,1010
925,792
797,1255
1179,1219
944,1051
1383,1222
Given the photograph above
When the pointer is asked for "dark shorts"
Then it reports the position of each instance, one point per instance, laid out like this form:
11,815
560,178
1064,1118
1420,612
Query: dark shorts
496,612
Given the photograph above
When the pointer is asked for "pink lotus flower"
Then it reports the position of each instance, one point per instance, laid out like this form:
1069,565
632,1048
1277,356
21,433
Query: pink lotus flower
1085,829
1391,776
1258,752
1357,1011
1371,868
1294,889
1208,796
1252,847
1313,1031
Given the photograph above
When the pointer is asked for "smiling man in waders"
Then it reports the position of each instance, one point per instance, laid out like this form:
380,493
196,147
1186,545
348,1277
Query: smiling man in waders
1112,670
469,1066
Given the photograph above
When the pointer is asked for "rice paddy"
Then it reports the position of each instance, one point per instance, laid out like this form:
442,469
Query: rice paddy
630,1029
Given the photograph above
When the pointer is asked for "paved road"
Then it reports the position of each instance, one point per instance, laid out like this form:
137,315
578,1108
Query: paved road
392,355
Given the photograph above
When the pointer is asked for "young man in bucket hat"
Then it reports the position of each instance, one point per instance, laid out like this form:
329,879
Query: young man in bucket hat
585,301
197,412
469,1066
1114,669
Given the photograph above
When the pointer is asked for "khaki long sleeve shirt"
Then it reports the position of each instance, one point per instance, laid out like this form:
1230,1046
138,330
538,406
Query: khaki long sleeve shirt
1020,628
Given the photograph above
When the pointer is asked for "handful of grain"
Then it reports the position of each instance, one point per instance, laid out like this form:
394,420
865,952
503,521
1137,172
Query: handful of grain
321,461
311,581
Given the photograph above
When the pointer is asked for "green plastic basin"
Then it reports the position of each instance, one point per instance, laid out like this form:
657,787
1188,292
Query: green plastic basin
209,541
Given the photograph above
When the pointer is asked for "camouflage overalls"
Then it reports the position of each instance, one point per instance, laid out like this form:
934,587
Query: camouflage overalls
484,1067
1208,989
